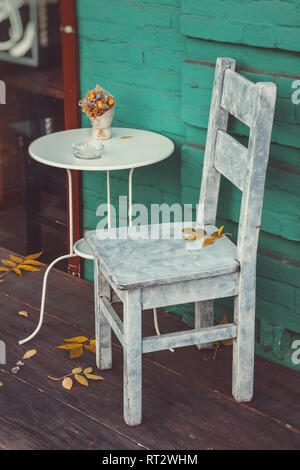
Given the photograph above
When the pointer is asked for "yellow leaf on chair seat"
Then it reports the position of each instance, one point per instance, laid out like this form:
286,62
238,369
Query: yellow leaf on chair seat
208,241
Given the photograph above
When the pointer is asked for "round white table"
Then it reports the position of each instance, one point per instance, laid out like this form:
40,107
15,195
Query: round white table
141,149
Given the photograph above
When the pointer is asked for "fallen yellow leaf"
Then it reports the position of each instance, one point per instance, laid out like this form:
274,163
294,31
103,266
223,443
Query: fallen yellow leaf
4,269
68,346
30,354
67,383
78,370
27,267
76,352
88,370
91,346
35,255
18,271
77,339
216,235
16,259
94,377
7,262
33,262
208,241
81,379
1,384
23,313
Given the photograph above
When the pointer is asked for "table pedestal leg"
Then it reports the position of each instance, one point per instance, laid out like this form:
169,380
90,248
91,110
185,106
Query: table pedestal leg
108,199
70,255
130,196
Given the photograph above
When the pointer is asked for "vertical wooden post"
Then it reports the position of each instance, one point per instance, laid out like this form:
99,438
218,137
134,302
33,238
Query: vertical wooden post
132,351
204,318
70,66
249,227
102,328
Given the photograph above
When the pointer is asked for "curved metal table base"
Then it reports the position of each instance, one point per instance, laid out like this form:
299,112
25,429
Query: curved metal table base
23,341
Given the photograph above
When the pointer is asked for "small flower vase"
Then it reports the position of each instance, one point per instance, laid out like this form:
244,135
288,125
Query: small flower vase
101,129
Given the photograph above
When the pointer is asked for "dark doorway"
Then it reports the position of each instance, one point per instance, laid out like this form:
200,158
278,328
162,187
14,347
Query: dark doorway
33,213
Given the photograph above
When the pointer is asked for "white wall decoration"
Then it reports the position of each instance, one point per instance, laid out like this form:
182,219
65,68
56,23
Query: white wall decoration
19,31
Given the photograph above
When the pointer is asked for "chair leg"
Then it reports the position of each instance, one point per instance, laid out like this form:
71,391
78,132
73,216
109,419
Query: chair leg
133,359
243,347
204,318
102,327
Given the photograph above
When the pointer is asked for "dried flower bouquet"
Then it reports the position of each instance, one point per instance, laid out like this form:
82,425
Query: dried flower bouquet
99,106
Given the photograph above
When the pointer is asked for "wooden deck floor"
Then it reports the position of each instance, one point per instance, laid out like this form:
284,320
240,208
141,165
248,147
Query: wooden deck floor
187,402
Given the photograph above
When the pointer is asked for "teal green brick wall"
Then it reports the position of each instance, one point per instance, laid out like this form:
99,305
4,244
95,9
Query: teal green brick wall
157,58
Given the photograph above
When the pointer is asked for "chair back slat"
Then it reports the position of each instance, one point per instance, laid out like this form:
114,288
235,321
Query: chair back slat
238,96
254,105
218,119
231,159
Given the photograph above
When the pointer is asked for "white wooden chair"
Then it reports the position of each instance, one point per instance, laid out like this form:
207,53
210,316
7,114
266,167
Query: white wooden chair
155,273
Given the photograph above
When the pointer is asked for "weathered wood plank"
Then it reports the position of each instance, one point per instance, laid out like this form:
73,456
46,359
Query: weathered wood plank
204,318
164,426
171,406
49,420
132,352
239,96
103,329
11,438
231,159
249,227
276,387
188,338
190,291
164,260
254,105
112,318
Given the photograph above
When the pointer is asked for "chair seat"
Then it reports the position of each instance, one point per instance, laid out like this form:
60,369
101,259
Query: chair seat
133,263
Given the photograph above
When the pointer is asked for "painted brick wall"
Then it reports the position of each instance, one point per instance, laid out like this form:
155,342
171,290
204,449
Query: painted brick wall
157,58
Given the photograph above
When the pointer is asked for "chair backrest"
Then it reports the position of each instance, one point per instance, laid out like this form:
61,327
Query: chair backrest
254,105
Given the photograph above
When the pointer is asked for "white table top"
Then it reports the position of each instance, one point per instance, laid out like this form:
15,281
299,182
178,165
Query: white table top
144,148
